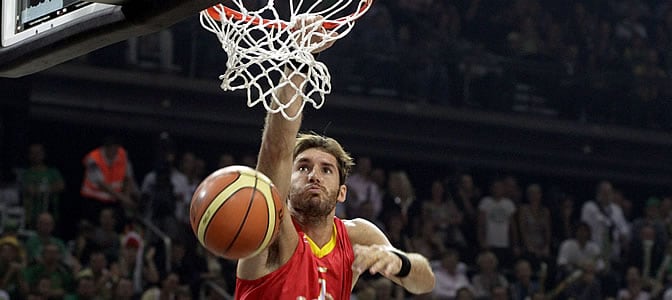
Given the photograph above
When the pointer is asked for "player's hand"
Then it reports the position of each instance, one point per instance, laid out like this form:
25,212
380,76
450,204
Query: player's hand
309,30
375,259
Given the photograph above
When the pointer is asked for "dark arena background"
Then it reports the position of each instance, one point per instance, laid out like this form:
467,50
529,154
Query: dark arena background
474,100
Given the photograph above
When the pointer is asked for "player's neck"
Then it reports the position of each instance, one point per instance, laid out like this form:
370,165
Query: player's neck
320,231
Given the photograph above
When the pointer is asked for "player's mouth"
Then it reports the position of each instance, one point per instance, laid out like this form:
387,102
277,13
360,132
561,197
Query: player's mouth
314,189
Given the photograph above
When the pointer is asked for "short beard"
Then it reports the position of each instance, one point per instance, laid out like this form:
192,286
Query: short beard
310,211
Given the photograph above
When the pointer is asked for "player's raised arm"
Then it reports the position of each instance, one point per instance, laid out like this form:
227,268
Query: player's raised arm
275,160
279,136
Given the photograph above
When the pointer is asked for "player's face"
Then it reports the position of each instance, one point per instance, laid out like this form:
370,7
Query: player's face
315,184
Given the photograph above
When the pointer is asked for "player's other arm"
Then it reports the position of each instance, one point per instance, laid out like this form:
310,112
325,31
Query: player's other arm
375,254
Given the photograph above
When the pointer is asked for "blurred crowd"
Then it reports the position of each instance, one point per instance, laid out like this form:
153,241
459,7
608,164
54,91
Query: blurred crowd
513,240
593,61
487,238
133,239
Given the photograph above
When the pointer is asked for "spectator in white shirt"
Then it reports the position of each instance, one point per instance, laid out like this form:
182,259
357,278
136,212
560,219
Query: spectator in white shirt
573,252
494,224
450,275
609,229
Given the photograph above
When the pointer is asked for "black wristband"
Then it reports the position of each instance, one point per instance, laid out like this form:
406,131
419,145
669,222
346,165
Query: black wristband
405,265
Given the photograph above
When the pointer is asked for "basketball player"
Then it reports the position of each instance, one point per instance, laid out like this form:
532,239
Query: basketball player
316,255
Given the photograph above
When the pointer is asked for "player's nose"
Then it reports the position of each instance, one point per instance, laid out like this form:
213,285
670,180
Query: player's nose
313,176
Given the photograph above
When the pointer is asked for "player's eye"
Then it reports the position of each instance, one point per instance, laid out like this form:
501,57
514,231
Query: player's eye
327,171
302,169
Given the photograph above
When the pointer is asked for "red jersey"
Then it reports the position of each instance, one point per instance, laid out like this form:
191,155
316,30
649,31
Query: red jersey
305,274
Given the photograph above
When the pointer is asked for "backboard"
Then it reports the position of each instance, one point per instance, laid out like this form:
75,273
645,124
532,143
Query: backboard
22,19
38,34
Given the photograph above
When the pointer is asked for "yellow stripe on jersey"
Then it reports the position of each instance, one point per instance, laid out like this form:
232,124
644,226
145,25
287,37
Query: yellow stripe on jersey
322,252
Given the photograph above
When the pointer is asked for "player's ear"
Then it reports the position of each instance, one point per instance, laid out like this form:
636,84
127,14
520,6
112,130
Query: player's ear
342,191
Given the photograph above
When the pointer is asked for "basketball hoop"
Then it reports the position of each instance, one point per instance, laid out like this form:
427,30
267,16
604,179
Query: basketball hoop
261,45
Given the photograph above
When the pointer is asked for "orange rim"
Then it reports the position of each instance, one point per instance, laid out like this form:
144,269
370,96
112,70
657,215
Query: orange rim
329,24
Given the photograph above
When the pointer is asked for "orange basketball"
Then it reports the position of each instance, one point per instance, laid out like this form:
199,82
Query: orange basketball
236,212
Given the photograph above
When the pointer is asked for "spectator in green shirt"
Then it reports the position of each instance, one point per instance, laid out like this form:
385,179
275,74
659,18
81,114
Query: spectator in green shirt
43,236
51,277
41,186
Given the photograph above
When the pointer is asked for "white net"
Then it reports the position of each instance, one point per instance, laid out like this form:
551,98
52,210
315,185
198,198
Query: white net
263,50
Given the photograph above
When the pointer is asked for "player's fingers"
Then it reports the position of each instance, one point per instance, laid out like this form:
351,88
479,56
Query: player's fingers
361,263
329,297
392,268
378,265
308,22
387,265
321,34
364,258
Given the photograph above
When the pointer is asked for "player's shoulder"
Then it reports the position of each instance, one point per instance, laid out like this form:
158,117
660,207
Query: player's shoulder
364,232
356,224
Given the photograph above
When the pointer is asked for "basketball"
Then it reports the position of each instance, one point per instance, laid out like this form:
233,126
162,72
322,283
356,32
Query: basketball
236,212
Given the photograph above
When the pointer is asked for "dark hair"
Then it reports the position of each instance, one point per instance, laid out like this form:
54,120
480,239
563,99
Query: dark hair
329,145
